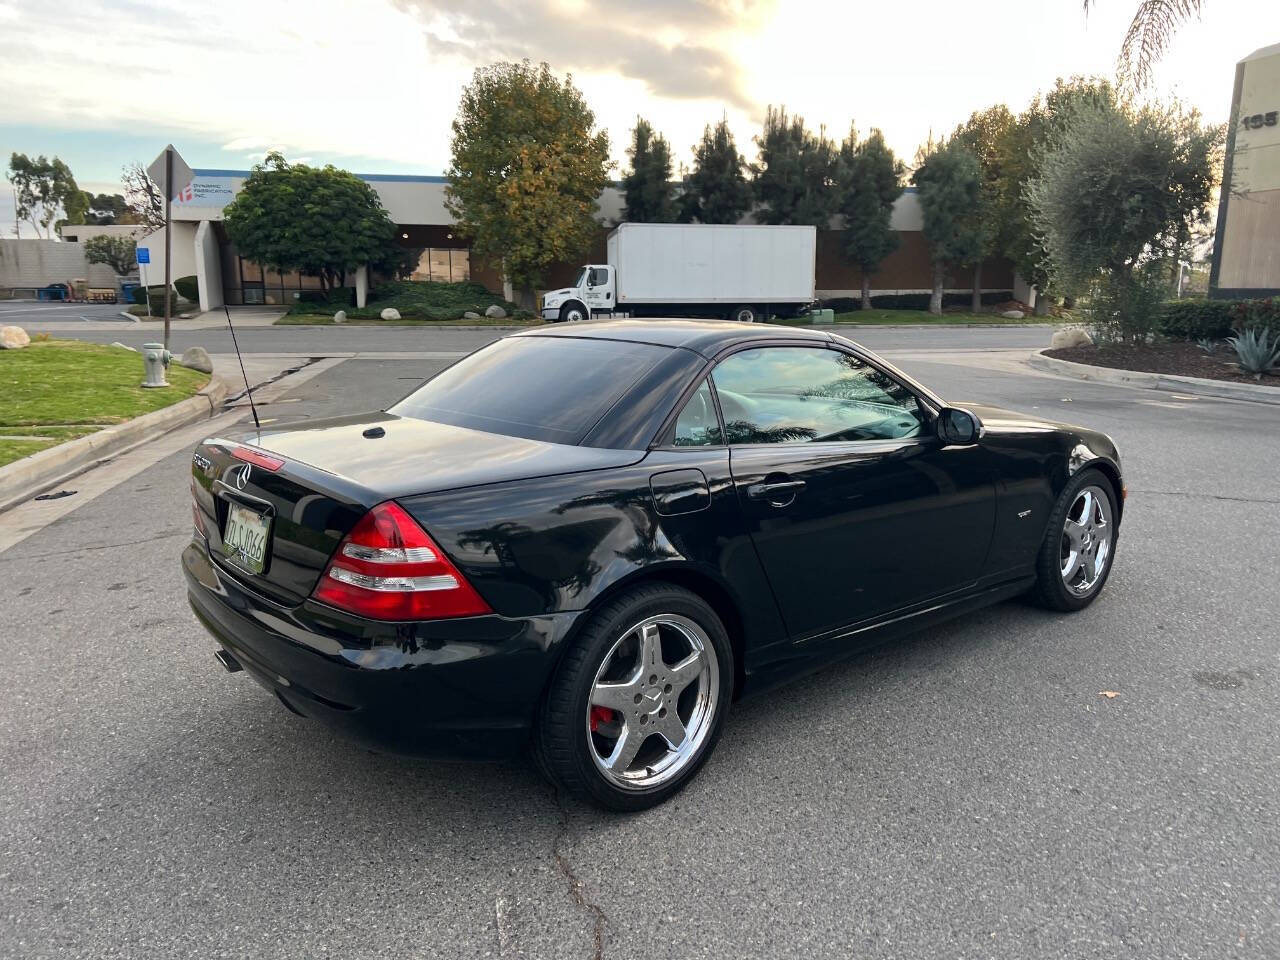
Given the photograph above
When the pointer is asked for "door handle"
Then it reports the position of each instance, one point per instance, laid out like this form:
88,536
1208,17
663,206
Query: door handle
777,492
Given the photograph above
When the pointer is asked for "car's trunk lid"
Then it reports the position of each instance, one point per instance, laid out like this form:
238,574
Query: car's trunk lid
334,470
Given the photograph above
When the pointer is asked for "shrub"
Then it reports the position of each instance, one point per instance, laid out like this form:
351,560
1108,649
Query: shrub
188,288
1256,352
1124,306
338,297
156,296
914,301
1260,314
1196,319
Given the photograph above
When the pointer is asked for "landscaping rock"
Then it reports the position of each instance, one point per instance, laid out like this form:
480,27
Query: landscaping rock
1013,314
340,317
1070,337
196,358
494,311
122,346
471,315
390,313
186,316
13,338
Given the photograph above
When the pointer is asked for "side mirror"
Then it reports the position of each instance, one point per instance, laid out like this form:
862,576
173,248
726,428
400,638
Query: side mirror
958,426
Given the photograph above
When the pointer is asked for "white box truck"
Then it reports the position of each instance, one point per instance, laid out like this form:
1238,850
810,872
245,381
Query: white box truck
735,271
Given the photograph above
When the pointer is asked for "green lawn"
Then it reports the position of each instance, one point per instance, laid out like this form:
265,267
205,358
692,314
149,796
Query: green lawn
56,390
879,317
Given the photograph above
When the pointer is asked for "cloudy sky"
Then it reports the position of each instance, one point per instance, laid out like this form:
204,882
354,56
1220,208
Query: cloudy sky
372,85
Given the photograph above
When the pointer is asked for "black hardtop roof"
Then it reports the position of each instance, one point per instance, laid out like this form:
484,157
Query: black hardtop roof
707,337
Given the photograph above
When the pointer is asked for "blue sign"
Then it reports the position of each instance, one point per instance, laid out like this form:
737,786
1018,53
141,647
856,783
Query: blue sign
144,255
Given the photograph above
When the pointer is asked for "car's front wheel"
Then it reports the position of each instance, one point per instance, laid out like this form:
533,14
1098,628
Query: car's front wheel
638,703
573,313
1079,545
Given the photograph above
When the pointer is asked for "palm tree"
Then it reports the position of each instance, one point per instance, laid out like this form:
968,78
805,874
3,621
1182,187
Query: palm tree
1150,31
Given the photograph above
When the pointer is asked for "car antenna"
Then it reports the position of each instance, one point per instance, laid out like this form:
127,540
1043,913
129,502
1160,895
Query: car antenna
247,389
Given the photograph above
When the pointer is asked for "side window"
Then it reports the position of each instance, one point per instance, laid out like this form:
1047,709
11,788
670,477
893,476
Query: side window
810,394
697,425
599,276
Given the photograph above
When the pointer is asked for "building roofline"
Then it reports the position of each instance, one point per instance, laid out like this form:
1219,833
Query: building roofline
372,177
395,177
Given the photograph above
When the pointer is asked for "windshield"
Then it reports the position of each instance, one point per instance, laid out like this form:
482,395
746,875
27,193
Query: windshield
541,388
581,279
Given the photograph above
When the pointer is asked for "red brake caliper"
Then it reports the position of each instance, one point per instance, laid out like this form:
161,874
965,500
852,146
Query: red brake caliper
600,715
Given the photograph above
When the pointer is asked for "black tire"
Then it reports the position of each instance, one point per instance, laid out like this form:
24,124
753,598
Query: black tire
561,743
1050,590
573,311
744,313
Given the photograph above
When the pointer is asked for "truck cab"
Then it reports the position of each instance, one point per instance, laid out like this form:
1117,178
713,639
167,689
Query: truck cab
594,291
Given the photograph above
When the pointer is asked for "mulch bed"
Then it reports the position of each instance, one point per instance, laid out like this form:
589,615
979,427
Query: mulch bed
1178,359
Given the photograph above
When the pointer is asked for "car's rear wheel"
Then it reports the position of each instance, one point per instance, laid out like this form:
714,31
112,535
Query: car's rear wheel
1079,545
638,703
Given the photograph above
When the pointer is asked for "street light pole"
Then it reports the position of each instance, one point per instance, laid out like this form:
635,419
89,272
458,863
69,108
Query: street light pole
168,241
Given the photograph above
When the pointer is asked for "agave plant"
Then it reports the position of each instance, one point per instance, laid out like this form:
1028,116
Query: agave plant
1208,345
1256,353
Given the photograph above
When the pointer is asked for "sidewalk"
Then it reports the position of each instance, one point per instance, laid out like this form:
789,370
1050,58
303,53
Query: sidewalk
72,321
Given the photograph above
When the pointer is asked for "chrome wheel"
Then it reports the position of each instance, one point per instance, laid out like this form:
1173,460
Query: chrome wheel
1087,536
574,314
653,701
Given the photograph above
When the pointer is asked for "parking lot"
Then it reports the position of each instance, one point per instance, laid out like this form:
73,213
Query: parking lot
970,793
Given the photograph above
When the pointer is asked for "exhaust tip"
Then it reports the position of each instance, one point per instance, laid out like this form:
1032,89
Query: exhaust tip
229,663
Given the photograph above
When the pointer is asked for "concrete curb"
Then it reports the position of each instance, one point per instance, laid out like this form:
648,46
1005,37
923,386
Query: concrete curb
25,478
1197,386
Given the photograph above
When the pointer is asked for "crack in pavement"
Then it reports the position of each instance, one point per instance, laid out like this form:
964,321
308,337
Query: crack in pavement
100,546
1203,496
598,920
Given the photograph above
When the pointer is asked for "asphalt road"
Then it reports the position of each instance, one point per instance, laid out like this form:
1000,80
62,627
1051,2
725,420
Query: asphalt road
966,794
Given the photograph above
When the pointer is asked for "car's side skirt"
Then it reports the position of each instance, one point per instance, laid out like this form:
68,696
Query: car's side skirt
796,659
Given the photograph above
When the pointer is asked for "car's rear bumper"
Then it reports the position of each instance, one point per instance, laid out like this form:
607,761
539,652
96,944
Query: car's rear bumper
461,689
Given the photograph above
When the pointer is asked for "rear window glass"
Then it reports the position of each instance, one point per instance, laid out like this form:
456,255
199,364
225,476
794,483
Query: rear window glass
540,388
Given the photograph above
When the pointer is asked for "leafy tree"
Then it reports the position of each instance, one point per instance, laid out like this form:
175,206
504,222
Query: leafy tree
647,185
142,196
1019,149
1152,27
949,181
42,187
870,181
1123,185
527,168
983,134
107,208
795,173
119,253
716,191
1122,189
318,221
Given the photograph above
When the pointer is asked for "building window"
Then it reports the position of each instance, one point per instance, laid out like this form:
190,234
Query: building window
443,265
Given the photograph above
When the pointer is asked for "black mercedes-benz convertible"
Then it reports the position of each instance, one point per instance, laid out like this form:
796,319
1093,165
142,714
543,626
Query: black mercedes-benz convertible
590,540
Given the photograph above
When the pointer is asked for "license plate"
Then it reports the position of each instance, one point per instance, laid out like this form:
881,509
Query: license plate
245,539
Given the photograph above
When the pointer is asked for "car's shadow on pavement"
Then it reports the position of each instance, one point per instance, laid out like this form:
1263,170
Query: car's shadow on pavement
278,764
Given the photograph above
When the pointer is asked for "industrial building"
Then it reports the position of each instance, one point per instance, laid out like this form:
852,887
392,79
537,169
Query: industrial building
202,248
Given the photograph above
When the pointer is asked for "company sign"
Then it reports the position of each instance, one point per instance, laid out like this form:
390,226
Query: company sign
202,191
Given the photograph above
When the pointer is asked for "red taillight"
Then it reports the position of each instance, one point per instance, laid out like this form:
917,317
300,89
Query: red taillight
387,568
256,457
